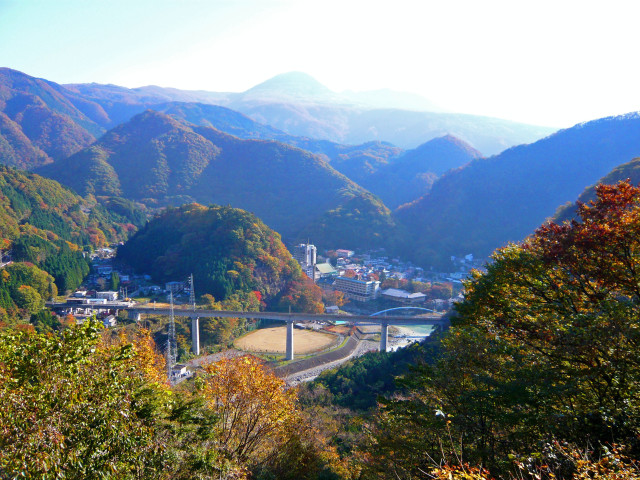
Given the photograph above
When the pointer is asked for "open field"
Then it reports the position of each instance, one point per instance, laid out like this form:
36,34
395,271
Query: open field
273,340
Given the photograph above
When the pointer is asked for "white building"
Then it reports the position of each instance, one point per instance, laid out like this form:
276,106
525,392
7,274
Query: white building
361,290
179,370
403,296
108,295
306,255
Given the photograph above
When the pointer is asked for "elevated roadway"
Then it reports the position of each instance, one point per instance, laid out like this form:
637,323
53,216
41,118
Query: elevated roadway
384,320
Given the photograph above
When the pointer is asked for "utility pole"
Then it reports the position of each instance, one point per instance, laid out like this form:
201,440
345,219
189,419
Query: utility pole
172,346
192,293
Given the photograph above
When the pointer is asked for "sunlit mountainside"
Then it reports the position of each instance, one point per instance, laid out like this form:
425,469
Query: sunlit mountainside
492,201
159,161
180,154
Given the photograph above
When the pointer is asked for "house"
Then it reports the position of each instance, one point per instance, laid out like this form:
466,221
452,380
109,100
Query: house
344,253
174,287
109,321
179,370
333,309
402,296
109,295
104,270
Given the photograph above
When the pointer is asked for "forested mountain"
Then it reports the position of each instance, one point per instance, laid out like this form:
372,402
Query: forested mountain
37,132
159,161
492,201
412,174
355,161
229,251
48,226
627,171
41,121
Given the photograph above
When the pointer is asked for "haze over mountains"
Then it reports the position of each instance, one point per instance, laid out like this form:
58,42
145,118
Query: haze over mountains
164,147
299,105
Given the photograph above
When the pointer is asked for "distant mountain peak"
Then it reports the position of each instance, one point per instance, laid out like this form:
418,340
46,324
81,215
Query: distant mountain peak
292,85
450,141
297,81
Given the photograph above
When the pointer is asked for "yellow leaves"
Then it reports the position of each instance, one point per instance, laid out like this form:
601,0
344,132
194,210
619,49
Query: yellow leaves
462,472
255,409
144,359
233,274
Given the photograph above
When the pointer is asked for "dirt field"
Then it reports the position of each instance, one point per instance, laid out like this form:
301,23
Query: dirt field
339,329
273,340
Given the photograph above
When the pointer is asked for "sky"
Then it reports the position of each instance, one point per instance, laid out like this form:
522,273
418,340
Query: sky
552,63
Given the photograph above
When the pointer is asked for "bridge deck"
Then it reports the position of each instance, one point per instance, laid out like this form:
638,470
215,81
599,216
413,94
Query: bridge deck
282,316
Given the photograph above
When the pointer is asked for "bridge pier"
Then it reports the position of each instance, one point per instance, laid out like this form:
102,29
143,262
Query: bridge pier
134,315
289,355
384,335
195,335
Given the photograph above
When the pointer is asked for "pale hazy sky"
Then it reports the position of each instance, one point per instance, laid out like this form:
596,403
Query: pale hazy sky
551,63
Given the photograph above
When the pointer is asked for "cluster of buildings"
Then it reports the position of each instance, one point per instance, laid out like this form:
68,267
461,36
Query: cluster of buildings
360,279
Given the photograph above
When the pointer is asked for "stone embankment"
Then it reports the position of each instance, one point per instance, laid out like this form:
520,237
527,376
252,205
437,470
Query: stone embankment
361,347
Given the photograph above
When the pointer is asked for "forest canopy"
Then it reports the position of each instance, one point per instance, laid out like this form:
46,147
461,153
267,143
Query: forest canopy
228,251
544,352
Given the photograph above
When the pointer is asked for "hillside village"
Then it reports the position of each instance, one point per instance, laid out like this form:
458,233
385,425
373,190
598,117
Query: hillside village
367,280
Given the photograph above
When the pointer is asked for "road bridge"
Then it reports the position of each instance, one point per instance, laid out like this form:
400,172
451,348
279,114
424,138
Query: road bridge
381,318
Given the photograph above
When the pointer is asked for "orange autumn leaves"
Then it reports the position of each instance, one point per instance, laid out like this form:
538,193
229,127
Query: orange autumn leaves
255,409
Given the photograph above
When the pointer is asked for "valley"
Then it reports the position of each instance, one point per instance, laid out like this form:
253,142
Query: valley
439,275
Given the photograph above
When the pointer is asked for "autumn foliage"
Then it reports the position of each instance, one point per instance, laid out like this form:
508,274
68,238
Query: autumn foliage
255,409
543,351
229,251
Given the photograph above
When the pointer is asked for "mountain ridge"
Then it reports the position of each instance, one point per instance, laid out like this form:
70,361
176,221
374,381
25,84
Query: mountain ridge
169,163
337,118
503,198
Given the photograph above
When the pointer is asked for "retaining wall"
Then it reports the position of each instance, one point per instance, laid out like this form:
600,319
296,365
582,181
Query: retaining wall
307,363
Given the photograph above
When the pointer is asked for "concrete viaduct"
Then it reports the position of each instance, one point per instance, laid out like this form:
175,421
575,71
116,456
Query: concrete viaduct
136,311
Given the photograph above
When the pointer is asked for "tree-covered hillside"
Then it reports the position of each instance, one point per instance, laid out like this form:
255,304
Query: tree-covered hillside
48,225
159,161
357,162
41,121
627,171
539,376
411,175
229,251
492,201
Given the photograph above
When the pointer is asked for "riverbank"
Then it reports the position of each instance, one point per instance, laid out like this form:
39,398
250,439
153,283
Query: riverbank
406,335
